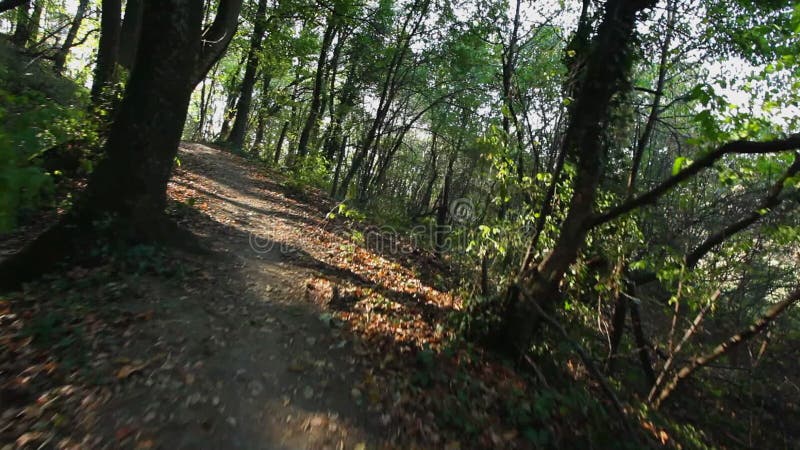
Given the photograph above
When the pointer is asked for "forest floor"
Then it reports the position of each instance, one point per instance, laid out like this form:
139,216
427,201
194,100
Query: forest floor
274,339
291,329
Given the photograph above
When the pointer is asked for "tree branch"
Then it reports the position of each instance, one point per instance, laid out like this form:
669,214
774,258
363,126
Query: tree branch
217,36
725,347
767,203
590,367
736,147
6,5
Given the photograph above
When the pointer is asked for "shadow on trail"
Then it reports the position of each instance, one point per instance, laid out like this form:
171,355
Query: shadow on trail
232,354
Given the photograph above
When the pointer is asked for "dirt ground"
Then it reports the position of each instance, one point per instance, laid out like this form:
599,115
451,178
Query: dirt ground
236,352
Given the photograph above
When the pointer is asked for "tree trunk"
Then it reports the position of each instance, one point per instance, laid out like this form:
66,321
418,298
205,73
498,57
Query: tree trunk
60,58
617,329
35,22
129,33
22,30
107,51
424,201
338,170
281,138
203,110
228,114
655,108
144,138
129,185
574,60
349,92
444,205
509,61
607,70
263,114
319,81
236,138
641,344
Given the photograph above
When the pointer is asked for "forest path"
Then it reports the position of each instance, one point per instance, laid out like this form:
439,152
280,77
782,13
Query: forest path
294,331
240,356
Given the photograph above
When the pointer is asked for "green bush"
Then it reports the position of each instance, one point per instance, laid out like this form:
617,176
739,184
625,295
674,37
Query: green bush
39,115
311,170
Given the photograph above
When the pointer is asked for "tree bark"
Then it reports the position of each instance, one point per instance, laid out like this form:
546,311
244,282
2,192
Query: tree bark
239,129
129,33
22,30
107,50
319,81
129,186
607,70
144,138
61,57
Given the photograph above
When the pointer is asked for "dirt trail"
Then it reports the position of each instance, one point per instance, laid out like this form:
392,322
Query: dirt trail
232,354
250,361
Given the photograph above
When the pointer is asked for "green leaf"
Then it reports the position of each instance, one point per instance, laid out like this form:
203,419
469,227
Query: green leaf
679,164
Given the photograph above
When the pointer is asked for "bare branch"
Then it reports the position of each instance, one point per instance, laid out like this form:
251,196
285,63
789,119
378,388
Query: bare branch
736,147
725,347
767,203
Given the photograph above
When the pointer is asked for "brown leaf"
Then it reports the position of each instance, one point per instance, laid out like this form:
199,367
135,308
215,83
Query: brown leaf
145,444
129,369
29,437
123,432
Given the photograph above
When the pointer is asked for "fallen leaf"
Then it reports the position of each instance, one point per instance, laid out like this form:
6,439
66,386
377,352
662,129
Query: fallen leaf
129,369
26,438
123,432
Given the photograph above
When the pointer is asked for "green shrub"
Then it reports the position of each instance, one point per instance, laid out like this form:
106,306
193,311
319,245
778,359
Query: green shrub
40,114
311,170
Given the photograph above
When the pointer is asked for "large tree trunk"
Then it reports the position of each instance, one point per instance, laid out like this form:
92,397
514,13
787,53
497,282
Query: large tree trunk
143,142
607,70
108,49
236,138
129,186
61,56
